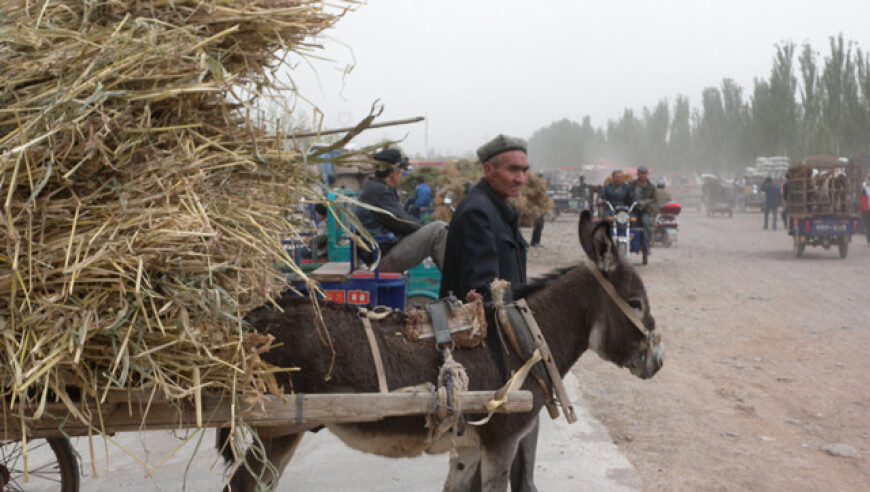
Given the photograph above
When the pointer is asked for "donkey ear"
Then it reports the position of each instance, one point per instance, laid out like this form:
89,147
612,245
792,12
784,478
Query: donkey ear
603,250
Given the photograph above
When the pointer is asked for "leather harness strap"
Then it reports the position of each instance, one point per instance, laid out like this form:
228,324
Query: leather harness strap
547,360
514,327
376,352
630,313
438,314
527,340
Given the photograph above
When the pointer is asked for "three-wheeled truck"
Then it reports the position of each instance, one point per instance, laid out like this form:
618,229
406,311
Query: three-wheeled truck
823,203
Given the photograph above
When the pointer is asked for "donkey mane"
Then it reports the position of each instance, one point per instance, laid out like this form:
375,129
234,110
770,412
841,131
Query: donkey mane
538,283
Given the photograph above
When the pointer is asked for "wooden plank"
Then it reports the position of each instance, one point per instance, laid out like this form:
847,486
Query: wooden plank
334,271
294,410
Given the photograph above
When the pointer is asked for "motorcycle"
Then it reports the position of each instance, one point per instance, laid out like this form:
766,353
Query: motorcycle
665,225
627,239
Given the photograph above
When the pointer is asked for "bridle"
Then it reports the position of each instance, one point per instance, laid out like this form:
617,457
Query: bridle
631,314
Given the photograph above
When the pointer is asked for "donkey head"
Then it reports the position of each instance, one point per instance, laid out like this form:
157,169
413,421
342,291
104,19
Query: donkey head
623,330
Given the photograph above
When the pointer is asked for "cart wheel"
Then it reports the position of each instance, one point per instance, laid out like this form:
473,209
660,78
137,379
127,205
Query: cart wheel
51,465
798,247
844,247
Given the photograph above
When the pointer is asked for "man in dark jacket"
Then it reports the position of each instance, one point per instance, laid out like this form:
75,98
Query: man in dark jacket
484,240
645,193
617,192
772,199
484,243
402,241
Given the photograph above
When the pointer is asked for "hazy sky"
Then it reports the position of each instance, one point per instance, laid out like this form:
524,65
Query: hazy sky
476,68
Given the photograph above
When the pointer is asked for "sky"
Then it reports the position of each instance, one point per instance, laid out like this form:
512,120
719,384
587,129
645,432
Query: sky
477,68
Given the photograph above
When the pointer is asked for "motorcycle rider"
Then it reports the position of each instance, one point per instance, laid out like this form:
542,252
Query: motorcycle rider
662,195
645,194
617,192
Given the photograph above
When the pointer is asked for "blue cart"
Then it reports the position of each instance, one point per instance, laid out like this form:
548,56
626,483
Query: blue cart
824,231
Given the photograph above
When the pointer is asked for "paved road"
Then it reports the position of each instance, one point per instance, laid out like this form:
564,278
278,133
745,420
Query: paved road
573,457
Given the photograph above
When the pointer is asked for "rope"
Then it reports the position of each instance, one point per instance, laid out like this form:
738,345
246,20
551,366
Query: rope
447,414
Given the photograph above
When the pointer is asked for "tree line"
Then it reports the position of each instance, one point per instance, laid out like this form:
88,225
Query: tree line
810,104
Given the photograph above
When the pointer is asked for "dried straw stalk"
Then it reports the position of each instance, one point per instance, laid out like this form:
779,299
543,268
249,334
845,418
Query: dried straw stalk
141,211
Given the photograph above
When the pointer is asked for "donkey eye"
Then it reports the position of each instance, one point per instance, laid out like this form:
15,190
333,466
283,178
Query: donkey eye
636,304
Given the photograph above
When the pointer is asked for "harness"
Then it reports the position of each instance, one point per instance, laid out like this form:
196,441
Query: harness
517,323
521,329
623,306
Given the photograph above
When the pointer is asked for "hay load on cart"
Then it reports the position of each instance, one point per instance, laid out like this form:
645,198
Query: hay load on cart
143,208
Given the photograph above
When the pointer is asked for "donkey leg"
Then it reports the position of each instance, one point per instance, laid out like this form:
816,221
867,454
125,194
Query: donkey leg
254,471
464,473
495,465
523,466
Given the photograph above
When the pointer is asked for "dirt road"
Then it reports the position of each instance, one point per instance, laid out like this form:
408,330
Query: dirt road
764,386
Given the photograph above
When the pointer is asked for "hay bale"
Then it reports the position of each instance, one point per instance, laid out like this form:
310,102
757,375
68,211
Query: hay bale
534,200
143,210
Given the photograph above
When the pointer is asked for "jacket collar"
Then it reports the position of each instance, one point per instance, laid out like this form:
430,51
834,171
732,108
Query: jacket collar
507,210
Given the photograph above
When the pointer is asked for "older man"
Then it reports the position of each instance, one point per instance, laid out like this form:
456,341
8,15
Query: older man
484,240
402,240
484,243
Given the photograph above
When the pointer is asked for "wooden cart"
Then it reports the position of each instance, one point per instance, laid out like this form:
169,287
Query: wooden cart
52,463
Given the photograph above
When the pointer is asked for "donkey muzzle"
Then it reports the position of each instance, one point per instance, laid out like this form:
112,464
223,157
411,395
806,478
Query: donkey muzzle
650,360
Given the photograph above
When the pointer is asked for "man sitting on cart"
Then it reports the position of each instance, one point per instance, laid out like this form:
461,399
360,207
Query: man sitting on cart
403,242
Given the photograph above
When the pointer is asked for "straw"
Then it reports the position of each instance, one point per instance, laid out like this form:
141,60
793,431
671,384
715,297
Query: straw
143,211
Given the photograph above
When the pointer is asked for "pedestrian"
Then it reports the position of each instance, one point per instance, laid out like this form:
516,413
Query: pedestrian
538,228
772,199
422,197
484,243
403,242
865,208
645,194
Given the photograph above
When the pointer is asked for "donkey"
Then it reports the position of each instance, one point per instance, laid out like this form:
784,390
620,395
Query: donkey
572,309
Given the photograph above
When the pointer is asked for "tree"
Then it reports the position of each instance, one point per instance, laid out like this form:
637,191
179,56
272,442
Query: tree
656,123
680,142
711,131
811,104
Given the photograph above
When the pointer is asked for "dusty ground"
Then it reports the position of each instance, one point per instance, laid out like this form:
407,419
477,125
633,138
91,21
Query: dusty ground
766,365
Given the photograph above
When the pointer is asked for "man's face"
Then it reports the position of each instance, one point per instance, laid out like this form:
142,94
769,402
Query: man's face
507,172
642,177
618,178
394,178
